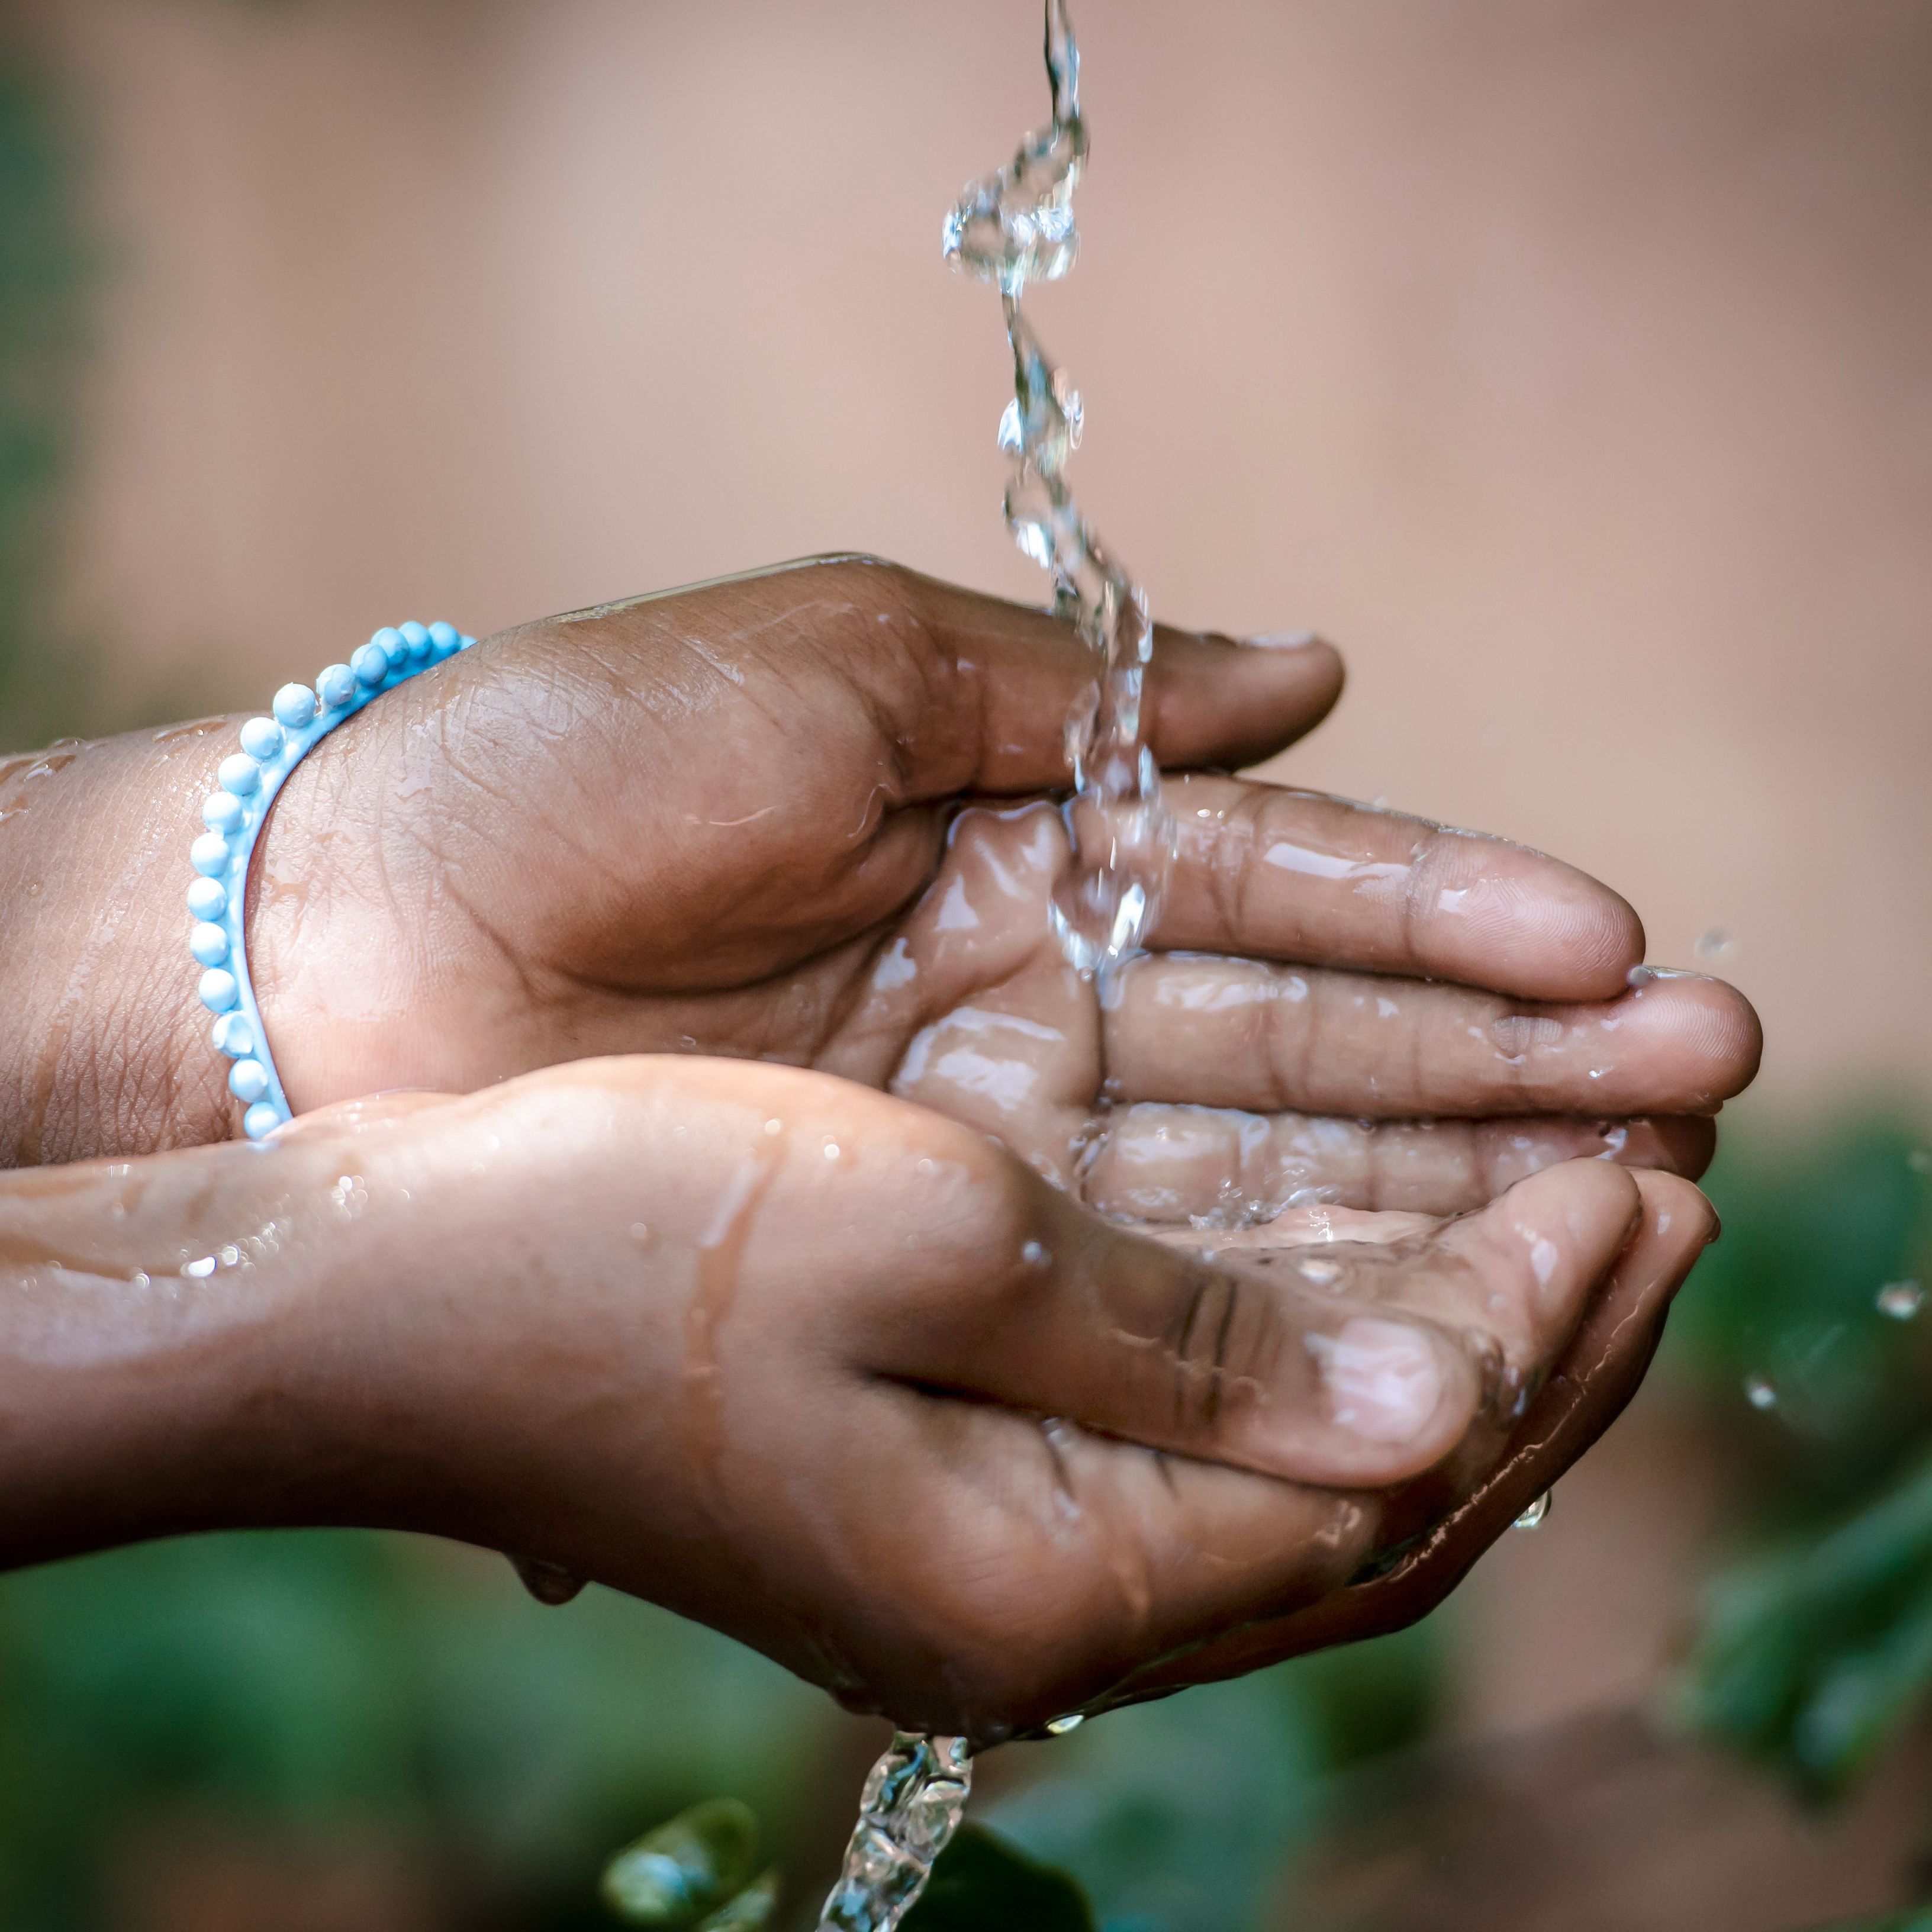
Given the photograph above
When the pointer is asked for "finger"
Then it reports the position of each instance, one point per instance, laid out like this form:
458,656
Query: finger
1018,672
1272,1369
1282,874
1216,1167
1105,1555
1242,1033
1598,1374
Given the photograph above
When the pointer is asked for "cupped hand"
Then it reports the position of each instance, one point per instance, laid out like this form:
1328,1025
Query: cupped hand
829,1372
792,816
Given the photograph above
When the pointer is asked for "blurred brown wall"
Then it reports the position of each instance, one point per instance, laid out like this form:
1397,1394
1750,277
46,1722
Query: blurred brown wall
1567,360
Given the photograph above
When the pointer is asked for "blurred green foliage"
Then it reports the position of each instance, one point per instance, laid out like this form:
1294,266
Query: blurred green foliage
1179,1816
338,1677
1814,1226
982,1883
46,278
1815,1652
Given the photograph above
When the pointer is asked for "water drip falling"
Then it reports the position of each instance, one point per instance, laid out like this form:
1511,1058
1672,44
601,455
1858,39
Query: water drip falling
1011,229
1532,1517
913,1802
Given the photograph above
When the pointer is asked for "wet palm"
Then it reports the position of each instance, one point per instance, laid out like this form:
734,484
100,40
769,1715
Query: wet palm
794,817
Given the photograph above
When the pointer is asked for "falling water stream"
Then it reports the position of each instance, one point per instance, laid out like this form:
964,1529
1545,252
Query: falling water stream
1011,229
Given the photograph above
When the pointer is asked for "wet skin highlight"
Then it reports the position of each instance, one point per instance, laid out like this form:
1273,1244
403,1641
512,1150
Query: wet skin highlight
962,1450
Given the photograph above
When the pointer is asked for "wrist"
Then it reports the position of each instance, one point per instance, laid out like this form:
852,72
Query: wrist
159,1327
105,1049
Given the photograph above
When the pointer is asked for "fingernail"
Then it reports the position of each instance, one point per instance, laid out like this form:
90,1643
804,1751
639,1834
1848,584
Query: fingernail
1383,1378
1280,640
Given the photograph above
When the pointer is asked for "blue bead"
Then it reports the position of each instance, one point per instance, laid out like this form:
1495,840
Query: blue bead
239,774
221,811
416,641
443,638
247,1080
234,1035
208,855
262,739
463,643
208,899
295,706
208,944
371,664
261,1119
218,990
336,686
389,641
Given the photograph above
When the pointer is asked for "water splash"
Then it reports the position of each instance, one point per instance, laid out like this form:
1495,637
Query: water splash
1011,229
912,1803
1760,1393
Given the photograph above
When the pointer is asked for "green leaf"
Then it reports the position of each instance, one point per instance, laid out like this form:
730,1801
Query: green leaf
1816,1657
686,1870
982,1883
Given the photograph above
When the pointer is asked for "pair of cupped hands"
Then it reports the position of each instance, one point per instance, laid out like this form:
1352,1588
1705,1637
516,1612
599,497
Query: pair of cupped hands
810,1249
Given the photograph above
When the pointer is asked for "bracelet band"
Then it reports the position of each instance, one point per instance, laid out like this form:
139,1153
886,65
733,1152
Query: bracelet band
271,748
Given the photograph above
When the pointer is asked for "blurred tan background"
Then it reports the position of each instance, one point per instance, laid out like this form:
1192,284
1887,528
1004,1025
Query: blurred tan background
1566,360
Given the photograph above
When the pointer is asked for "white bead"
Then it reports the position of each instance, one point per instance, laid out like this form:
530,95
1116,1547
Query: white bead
218,990
260,1121
336,686
239,774
295,705
209,854
208,944
443,638
371,663
221,811
234,1035
247,1080
262,739
208,899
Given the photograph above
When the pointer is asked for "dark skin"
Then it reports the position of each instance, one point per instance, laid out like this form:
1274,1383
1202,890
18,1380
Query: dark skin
792,818
864,1391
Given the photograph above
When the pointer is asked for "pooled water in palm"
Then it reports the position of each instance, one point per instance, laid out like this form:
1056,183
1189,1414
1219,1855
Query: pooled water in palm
1012,228
912,1803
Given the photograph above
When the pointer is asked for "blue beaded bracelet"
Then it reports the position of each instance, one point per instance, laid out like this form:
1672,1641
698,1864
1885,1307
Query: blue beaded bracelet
271,748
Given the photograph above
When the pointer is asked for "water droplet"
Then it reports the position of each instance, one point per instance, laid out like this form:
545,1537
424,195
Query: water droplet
831,1149
199,1270
1532,1517
1901,1300
548,1582
1035,1254
230,1256
1714,944
1058,1727
139,1279
1760,1393
640,1233
1640,976
775,1126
